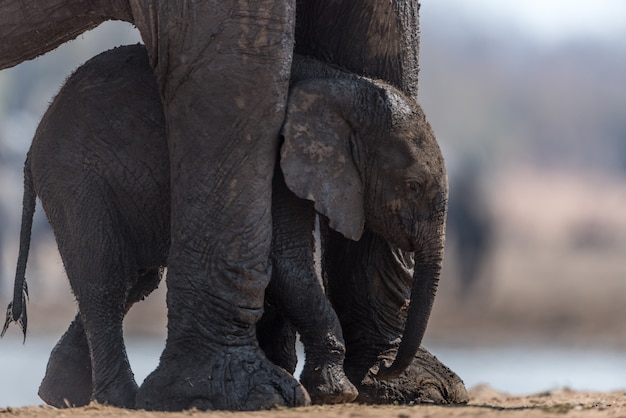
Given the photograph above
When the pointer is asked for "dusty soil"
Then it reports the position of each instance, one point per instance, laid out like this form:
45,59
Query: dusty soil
485,402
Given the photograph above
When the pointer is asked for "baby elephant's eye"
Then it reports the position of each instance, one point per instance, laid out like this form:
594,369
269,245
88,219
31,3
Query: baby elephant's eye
414,187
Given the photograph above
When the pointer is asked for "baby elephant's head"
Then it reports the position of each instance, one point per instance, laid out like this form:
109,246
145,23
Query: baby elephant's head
365,154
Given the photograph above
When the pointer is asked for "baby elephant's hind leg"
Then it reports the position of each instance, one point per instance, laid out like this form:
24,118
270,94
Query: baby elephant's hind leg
277,337
67,381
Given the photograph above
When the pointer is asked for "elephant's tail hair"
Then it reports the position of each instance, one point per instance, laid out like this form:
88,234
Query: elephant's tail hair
16,311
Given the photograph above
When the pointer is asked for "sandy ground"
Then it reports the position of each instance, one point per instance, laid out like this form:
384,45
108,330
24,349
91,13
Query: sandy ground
484,402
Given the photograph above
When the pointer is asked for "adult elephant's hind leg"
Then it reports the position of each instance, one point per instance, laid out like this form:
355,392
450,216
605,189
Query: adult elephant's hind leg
224,82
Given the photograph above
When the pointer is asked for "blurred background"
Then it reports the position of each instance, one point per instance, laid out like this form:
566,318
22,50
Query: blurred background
528,101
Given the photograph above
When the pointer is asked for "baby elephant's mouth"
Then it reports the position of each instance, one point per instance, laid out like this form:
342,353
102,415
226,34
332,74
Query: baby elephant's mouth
407,244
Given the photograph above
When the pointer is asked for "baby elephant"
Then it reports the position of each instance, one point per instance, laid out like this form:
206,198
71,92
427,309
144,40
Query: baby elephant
99,164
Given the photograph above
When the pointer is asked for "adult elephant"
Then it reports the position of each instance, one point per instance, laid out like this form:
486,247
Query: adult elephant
221,231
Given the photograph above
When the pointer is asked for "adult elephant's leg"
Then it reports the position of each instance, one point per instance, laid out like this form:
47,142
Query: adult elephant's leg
223,74
370,300
29,28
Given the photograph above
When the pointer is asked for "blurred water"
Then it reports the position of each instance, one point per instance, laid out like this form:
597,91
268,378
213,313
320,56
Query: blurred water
516,370
522,370
22,366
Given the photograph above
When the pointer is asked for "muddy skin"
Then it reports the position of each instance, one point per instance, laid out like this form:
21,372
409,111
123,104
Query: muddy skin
219,368
369,300
426,380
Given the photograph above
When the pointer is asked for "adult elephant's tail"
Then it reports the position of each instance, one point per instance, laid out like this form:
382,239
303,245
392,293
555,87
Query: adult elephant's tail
16,311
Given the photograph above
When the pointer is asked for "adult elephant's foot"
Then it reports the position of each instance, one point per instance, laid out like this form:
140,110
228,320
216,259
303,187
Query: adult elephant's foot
233,378
426,380
328,384
67,381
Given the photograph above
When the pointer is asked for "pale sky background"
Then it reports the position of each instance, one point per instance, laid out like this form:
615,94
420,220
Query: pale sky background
546,20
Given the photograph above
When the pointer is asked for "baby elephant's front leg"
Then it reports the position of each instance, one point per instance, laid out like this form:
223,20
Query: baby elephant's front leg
296,292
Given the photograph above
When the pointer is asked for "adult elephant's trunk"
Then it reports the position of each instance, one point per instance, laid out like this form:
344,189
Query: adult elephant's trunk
428,261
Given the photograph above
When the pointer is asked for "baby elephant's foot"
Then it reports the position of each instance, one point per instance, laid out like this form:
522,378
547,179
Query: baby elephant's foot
67,381
218,378
328,384
121,394
426,380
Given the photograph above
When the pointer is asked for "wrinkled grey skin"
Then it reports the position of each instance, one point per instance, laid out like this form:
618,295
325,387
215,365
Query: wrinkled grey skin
218,270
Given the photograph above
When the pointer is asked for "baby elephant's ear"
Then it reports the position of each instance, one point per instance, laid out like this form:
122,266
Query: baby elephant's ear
315,157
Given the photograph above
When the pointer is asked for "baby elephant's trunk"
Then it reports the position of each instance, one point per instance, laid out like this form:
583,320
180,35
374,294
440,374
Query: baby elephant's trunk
428,263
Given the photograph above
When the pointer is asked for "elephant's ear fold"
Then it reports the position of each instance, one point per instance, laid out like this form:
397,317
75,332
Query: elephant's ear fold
316,159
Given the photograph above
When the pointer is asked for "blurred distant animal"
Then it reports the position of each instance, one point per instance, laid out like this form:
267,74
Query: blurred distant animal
470,226
3,220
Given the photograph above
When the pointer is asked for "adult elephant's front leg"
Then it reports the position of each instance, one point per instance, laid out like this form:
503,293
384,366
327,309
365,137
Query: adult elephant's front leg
223,74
